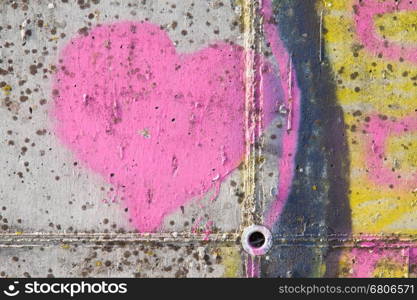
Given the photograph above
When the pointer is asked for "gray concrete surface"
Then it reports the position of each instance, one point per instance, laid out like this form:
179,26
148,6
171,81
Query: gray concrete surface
58,218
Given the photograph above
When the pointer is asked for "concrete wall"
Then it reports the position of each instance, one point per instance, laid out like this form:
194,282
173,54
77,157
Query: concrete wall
140,138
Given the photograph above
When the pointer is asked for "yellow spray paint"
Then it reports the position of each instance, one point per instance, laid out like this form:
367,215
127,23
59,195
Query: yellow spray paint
367,84
231,261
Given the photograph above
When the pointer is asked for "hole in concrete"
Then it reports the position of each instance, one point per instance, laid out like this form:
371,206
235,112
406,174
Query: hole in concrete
256,239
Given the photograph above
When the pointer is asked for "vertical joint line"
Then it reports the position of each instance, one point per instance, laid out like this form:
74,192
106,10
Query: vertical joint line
249,170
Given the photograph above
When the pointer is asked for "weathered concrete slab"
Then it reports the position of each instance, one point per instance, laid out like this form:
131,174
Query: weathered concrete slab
51,200
139,138
117,259
37,168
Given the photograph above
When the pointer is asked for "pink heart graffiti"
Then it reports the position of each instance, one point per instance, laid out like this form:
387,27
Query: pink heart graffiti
166,127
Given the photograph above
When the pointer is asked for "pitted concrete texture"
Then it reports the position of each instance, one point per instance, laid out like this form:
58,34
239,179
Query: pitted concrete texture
57,217
140,138
42,178
116,259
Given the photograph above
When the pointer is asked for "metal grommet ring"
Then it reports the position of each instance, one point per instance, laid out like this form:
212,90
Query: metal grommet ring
256,240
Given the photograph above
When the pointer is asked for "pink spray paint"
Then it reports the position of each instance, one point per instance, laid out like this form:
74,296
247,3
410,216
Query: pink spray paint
152,121
379,131
371,253
292,94
365,11
252,267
